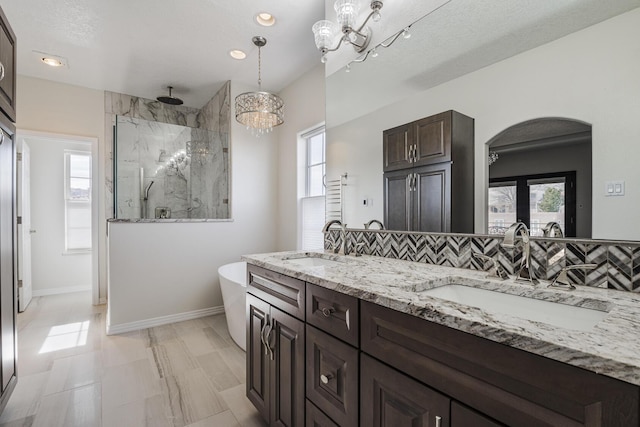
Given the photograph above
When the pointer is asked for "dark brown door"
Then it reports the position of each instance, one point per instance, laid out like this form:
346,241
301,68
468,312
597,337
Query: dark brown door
432,198
391,399
397,200
287,370
461,416
396,148
316,418
8,60
432,139
257,357
7,284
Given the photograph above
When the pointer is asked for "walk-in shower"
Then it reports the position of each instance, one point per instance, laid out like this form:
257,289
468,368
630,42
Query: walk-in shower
165,171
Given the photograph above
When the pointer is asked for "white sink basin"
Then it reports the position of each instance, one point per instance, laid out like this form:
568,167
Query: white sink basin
552,313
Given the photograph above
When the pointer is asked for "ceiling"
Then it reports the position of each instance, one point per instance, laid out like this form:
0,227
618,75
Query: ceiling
139,47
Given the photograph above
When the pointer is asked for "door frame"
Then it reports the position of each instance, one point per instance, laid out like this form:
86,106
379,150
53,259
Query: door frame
95,198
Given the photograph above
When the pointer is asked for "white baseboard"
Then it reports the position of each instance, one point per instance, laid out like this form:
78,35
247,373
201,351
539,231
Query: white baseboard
163,320
57,291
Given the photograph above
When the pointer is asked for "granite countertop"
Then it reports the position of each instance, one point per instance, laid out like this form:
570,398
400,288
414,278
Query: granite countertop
611,347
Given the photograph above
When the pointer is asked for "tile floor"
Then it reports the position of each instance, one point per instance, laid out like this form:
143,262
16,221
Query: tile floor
71,374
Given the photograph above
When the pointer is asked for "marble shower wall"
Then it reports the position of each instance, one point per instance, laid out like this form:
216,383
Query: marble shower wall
208,143
618,263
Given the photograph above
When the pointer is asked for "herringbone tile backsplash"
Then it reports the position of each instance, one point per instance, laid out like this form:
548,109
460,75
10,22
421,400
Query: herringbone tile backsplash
618,263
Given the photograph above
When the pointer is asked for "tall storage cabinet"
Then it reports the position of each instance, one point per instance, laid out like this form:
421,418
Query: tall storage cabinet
428,174
8,341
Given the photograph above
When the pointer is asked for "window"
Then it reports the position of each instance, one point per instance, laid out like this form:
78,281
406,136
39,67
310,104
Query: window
77,193
312,203
535,200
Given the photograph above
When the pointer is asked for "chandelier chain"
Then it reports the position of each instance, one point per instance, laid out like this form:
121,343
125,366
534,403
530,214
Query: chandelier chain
259,68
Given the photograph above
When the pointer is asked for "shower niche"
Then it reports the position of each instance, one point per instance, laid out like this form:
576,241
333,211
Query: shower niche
166,171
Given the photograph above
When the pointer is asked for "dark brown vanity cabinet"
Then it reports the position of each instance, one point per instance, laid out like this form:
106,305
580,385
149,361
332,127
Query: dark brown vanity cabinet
275,347
428,179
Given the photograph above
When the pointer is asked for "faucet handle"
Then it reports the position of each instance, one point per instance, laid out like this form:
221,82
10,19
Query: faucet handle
562,279
496,270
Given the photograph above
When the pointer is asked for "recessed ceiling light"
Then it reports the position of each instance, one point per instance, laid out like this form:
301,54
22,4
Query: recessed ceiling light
265,19
53,62
237,54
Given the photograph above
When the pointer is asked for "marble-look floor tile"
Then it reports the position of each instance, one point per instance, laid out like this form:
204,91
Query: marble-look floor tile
218,371
25,399
197,341
191,397
172,358
123,349
23,422
127,383
74,371
242,408
223,419
149,412
79,407
234,357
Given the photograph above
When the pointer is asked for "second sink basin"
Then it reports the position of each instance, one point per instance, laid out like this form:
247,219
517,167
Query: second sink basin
314,262
552,313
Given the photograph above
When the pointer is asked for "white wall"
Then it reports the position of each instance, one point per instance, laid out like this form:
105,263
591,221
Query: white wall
167,269
60,108
591,75
53,270
304,109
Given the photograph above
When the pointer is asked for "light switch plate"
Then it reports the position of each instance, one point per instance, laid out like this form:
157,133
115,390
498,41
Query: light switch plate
614,188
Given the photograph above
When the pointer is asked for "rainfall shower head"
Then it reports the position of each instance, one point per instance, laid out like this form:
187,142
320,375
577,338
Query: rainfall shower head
171,100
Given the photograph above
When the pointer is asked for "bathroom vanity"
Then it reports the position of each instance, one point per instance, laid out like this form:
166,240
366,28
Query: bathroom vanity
372,341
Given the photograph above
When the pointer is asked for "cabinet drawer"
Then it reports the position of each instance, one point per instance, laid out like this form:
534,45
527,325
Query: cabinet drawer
284,292
316,418
332,377
334,313
509,385
390,398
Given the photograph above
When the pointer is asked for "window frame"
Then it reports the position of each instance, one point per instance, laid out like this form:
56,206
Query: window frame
308,136
68,201
305,197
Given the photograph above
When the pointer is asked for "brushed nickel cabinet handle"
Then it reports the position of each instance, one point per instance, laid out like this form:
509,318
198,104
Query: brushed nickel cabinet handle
1,71
325,378
1,134
438,421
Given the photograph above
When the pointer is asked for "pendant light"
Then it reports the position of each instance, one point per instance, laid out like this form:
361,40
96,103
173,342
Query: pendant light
259,111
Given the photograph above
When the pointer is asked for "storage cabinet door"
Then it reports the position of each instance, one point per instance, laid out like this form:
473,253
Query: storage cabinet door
432,198
397,145
332,377
389,398
257,375
8,60
432,139
316,418
397,200
287,370
461,416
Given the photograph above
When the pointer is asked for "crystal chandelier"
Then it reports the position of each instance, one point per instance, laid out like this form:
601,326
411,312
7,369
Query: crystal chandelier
324,31
493,157
259,111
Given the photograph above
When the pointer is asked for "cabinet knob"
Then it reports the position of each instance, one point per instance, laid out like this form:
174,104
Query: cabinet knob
328,311
325,378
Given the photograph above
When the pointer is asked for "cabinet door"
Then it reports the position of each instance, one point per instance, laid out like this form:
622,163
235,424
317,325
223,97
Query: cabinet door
432,139
461,416
397,200
396,148
287,370
316,418
257,375
332,377
8,60
389,398
7,284
432,198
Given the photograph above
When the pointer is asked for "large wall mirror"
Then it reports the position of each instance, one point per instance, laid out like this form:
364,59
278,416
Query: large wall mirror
554,104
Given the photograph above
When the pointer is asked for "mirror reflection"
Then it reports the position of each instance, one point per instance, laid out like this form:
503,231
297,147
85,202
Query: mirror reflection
553,106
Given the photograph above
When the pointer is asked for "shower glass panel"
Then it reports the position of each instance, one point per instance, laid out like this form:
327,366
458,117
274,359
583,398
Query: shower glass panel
166,171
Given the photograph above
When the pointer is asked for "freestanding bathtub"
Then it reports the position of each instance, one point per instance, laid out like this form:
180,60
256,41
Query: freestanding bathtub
233,284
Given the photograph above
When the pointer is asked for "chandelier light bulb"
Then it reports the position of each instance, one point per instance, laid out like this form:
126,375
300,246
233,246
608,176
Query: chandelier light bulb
376,16
323,59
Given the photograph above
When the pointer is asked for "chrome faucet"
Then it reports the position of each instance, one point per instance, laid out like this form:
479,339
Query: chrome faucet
562,279
496,270
343,248
510,241
552,229
374,221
